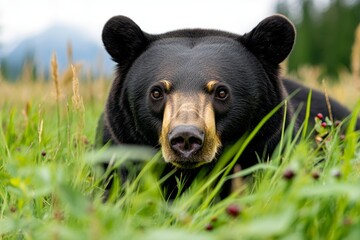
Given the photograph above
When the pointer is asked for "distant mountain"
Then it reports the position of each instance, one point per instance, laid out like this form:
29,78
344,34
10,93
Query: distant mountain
39,48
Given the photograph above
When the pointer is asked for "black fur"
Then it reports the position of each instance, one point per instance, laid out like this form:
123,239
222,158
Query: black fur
318,103
248,64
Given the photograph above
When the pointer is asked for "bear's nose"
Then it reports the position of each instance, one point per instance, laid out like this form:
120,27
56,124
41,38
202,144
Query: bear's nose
186,140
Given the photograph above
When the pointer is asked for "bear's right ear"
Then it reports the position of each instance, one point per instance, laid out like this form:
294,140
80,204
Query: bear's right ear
123,40
272,39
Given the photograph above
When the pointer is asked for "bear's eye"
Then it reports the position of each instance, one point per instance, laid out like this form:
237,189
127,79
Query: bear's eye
156,94
221,93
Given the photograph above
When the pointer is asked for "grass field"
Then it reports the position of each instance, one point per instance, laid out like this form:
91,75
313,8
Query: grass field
50,181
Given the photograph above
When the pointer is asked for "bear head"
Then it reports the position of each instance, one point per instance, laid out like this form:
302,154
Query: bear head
190,92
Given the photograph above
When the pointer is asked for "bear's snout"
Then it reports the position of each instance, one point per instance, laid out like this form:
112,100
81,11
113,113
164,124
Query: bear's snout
188,135
186,140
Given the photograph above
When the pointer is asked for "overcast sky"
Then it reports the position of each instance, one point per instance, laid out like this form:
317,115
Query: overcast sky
21,18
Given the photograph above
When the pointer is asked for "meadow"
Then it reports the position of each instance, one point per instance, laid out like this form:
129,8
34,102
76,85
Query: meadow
52,185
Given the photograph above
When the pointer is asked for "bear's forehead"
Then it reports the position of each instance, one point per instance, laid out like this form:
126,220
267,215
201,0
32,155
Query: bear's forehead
210,46
195,59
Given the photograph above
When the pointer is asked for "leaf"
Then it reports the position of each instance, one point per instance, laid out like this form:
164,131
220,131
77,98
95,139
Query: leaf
338,189
74,200
262,227
121,153
7,226
176,234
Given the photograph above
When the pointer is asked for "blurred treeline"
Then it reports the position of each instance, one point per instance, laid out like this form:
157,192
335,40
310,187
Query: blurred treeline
325,33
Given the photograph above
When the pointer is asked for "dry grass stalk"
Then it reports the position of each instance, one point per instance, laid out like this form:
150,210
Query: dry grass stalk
237,183
327,100
355,56
76,98
55,76
67,75
26,112
1,75
40,131
69,53
310,75
78,106
27,71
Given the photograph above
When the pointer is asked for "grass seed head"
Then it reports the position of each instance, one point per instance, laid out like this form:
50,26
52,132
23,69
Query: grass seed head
76,98
55,75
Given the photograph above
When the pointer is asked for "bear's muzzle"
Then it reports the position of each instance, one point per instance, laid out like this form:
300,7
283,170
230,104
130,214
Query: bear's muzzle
188,136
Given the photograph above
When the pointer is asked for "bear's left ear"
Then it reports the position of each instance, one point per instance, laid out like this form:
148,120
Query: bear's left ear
272,39
124,40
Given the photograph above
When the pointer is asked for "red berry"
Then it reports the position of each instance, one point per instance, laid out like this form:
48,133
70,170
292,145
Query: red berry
323,124
320,116
233,210
289,174
315,175
209,227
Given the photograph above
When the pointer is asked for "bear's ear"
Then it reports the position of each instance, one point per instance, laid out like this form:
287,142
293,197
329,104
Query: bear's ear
272,39
123,39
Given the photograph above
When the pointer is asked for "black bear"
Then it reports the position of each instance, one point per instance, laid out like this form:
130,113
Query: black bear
191,92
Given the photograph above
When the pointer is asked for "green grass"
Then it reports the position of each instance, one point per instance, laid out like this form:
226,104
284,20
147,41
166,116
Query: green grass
50,185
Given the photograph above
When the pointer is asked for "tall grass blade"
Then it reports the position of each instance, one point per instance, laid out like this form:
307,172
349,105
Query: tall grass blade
244,143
